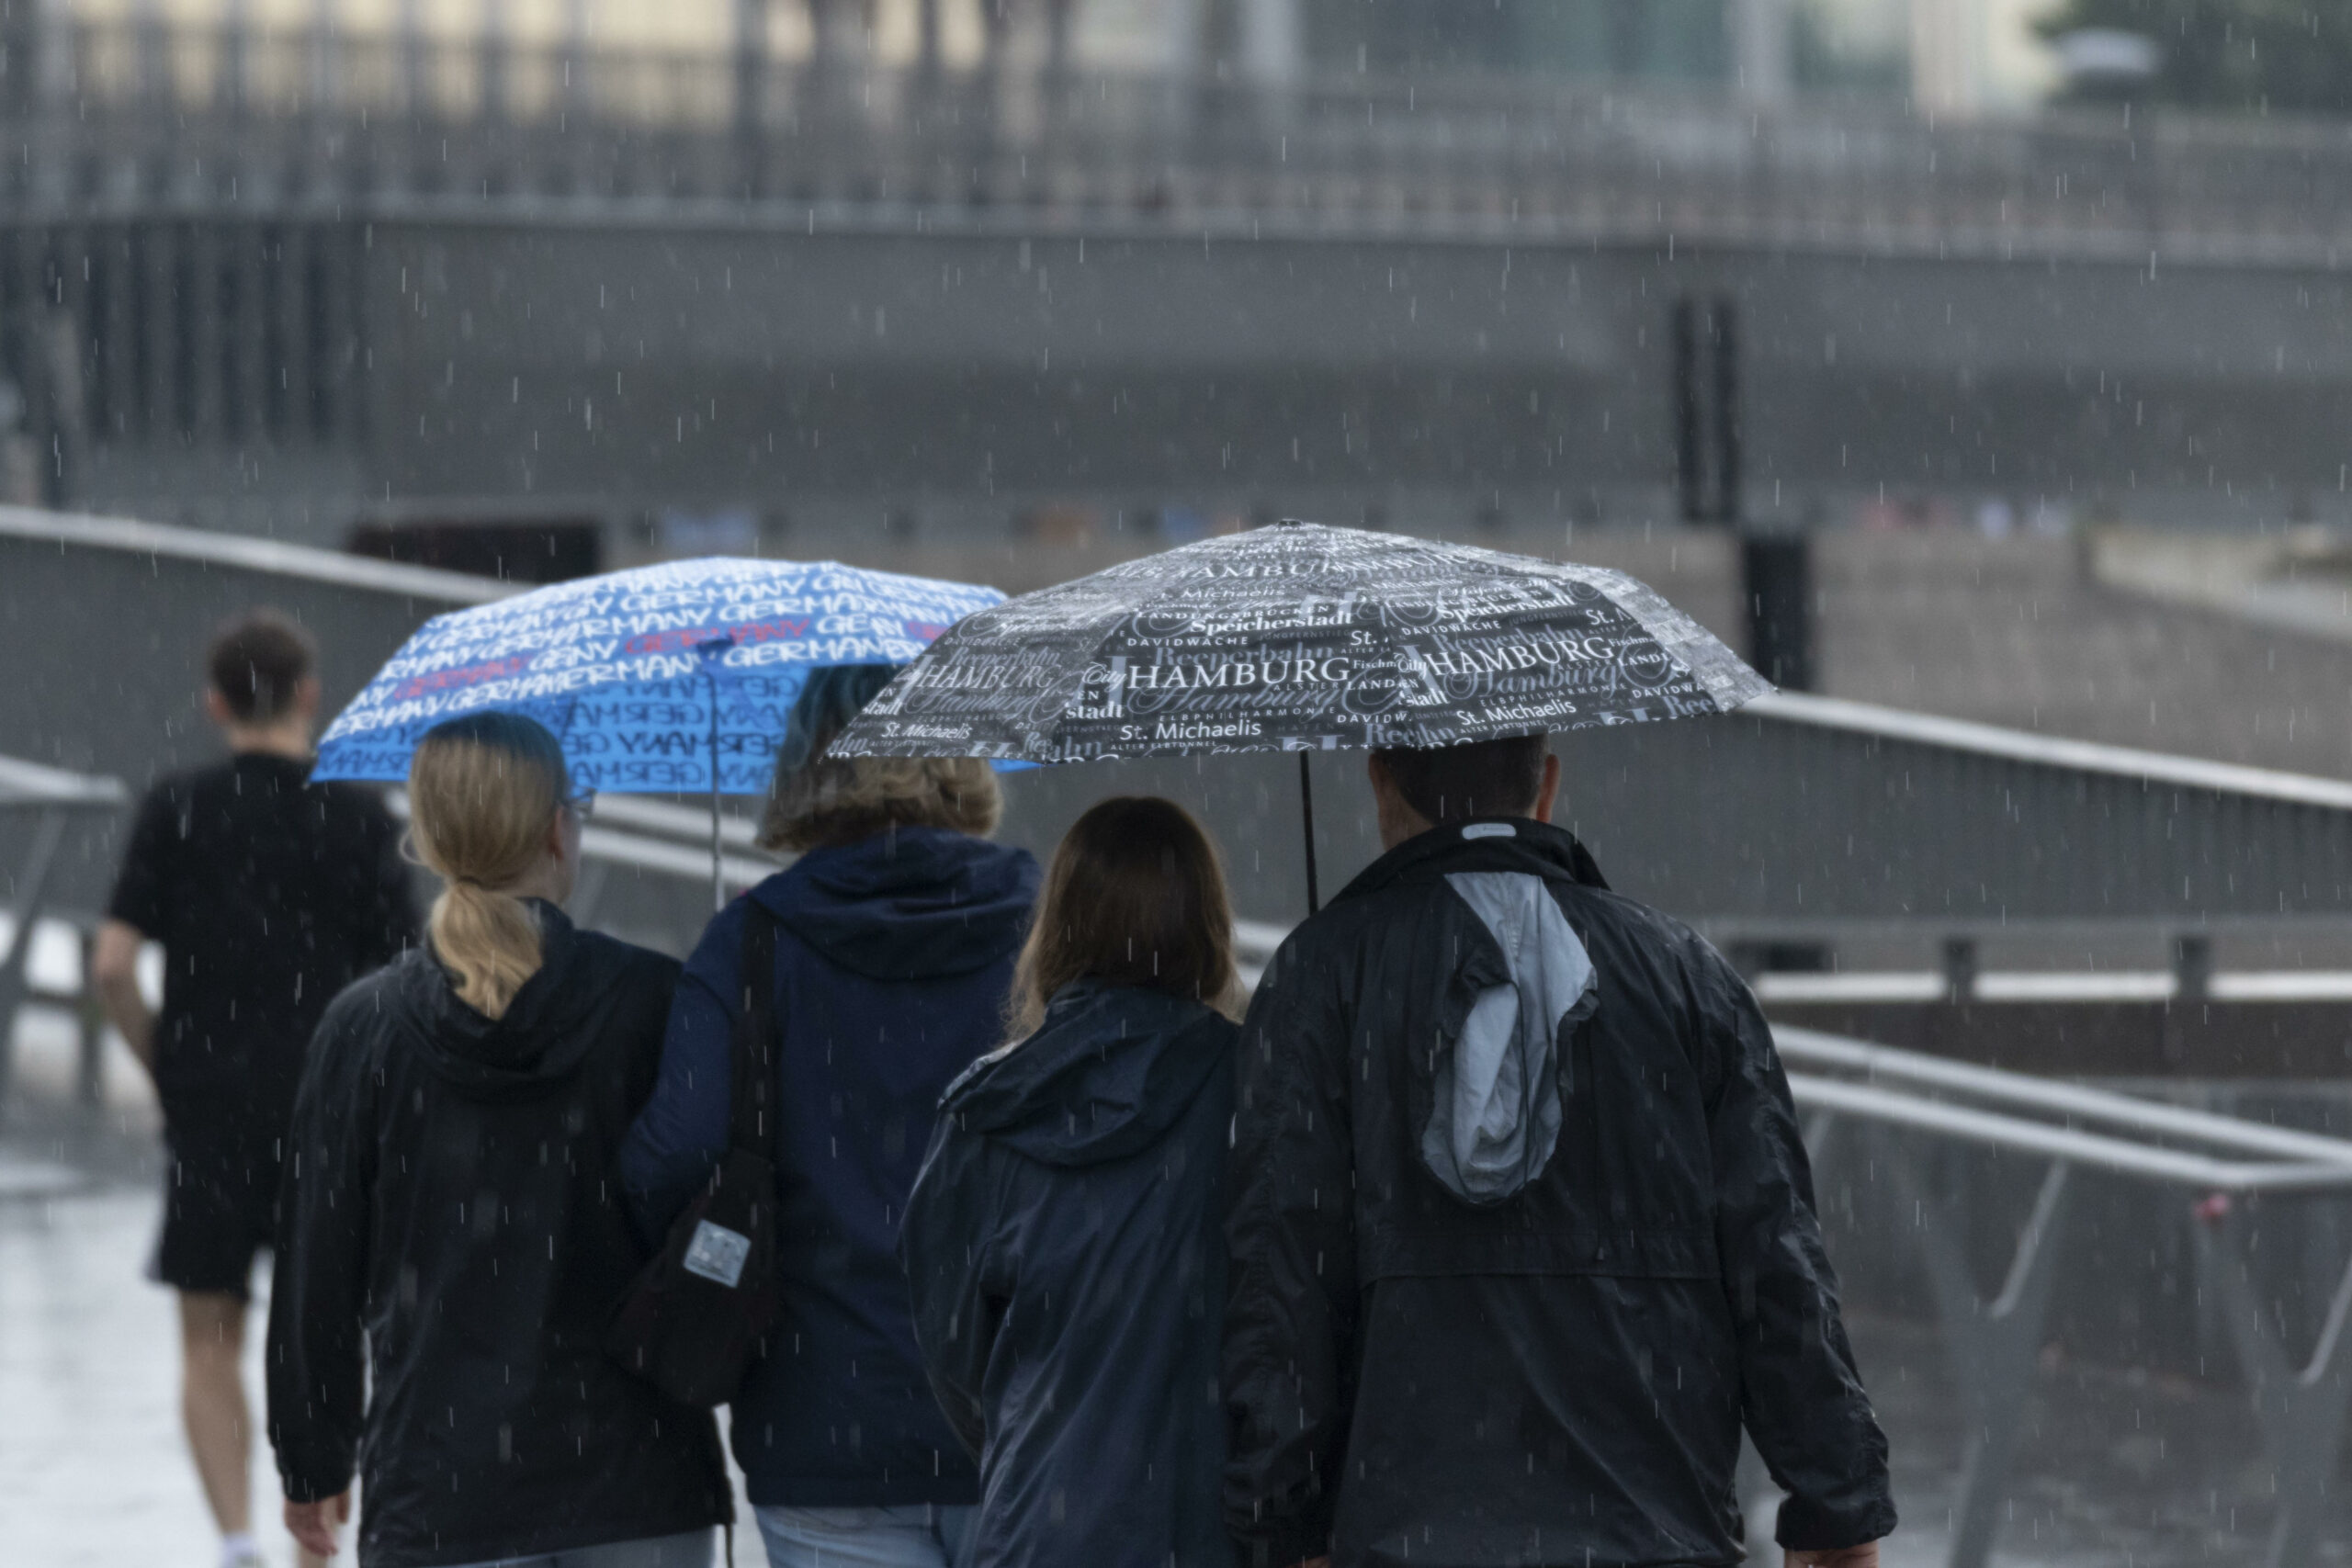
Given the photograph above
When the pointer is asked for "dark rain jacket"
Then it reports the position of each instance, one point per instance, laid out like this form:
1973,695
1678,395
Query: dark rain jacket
1066,1250
1523,1232
893,957
450,1193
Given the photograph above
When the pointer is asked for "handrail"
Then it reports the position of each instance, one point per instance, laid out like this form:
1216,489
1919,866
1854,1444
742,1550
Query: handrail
1255,941
669,859
1814,1048
131,537
1726,929
24,783
2174,1167
2050,751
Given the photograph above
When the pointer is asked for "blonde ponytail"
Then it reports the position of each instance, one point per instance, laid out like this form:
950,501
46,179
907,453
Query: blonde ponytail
489,939
484,790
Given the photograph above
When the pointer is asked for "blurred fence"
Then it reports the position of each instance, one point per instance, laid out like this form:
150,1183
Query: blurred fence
2156,1158
120,114
45,804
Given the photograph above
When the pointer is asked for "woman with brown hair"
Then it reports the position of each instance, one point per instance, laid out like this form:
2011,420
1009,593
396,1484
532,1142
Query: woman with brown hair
454,1245
1064,1244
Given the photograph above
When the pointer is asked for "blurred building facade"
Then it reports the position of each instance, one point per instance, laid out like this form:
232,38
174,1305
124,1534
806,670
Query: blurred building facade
1955,55
861,276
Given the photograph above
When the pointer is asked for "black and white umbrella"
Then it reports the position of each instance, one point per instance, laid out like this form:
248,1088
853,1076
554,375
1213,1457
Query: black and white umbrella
1300,638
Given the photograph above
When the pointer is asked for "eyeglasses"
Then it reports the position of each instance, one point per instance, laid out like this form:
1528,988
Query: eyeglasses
583,805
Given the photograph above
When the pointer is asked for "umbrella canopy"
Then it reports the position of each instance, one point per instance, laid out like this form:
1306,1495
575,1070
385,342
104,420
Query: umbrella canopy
1296,637
666,679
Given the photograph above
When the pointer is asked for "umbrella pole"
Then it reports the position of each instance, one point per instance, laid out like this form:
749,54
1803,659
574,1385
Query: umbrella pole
1306,817
718,883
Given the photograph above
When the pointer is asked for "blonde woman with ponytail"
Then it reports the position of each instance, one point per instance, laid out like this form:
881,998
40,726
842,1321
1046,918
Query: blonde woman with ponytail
453,1243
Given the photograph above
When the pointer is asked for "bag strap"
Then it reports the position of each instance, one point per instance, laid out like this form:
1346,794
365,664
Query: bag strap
751,1070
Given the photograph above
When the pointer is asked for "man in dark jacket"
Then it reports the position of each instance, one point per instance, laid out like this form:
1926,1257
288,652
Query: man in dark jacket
1522,1230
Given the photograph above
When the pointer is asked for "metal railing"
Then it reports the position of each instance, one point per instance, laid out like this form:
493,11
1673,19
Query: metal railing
50,798
1993,1345
245,119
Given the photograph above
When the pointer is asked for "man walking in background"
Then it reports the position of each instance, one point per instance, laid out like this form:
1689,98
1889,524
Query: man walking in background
1522,1231
269,895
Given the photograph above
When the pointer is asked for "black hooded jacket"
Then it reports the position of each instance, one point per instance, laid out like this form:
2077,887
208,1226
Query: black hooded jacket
1522,1233
1065,1254
450,1193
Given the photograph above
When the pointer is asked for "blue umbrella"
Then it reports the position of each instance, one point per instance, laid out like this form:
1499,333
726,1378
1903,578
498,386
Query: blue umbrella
670,679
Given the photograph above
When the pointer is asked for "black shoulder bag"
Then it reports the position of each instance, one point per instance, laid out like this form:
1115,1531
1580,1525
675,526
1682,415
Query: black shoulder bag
695,1316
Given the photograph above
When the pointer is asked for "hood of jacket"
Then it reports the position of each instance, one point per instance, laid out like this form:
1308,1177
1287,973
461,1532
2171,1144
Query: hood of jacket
545,1032
1110,1070
907,902
1488,843
1500,1064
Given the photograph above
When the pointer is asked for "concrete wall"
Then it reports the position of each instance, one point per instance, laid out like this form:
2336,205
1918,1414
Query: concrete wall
940,379
953,378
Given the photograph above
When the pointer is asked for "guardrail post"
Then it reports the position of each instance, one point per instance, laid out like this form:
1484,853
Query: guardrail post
2300,1409
24,912
1993,1346
1959,969
2192,969
2193,973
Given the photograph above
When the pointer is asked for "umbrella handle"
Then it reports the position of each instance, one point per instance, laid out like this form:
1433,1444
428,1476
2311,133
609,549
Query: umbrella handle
717,878
1307,819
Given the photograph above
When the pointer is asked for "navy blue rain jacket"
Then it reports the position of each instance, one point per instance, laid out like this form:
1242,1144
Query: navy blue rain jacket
893,959
1065,1251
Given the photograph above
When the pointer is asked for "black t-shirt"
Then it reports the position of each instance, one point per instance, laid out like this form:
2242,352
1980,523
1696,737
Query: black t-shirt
269,895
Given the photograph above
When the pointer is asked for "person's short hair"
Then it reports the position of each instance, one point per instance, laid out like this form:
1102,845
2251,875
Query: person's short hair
839,800
1484,778
258,663
815,800
1135,896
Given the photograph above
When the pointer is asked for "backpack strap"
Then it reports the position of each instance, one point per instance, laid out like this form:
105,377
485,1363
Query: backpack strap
752,1062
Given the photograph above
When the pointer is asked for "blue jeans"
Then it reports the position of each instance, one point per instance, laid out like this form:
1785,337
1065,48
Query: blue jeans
691,1549
915,1535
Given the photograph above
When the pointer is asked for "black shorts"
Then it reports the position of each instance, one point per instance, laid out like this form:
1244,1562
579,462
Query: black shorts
219,1210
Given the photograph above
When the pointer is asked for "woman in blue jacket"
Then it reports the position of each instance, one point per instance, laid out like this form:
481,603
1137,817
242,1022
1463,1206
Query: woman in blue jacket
1064,1245
897,931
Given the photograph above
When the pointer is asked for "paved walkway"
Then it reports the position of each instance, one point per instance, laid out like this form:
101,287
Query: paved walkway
92,1472
2119,1470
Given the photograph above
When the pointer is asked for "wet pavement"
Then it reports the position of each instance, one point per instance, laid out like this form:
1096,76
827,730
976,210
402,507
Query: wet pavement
2119,1469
